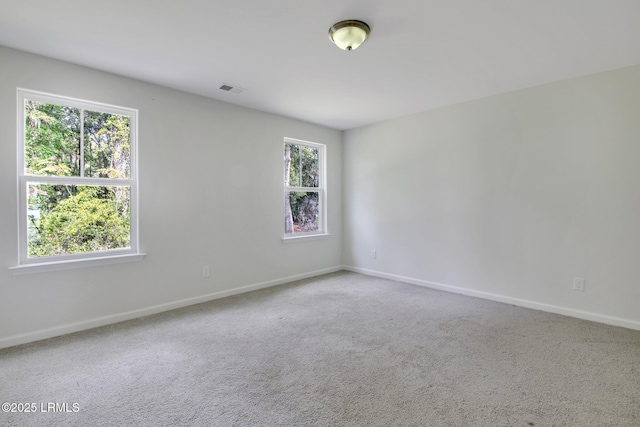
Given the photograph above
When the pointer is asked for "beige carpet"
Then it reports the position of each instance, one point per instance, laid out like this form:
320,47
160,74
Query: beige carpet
338,350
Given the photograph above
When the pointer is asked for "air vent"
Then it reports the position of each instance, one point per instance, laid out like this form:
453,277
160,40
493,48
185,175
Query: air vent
232,89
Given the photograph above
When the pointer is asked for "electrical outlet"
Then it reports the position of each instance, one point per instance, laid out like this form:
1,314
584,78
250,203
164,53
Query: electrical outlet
578,284
206,272
374,254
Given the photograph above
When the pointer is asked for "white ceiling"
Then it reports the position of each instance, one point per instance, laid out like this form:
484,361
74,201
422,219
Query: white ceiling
422,54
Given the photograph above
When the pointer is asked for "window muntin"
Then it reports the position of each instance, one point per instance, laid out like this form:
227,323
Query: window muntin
77,179
304,197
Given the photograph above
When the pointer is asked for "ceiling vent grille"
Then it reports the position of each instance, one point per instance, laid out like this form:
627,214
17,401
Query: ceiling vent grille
232,89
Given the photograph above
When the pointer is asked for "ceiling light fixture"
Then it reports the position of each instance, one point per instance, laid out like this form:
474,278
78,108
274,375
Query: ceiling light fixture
349,34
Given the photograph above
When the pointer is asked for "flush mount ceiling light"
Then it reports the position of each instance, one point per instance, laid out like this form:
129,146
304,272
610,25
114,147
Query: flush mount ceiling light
349,34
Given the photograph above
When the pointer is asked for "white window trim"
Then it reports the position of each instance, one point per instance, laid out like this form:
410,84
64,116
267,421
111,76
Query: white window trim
75,263
322,194
304,237
63,262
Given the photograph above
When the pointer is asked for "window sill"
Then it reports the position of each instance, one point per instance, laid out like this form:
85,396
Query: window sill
73,264
304,238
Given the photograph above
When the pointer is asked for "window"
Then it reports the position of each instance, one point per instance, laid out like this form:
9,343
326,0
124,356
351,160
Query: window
77,179
304,188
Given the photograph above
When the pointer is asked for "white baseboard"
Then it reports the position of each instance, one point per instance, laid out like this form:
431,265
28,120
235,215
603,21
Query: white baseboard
134,314
595,317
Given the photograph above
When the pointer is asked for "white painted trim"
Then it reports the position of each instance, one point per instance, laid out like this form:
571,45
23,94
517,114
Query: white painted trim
295,238
120,317
585,315
53,98
69,264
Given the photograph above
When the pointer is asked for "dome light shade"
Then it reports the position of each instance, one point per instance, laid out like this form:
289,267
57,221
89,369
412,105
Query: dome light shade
349,34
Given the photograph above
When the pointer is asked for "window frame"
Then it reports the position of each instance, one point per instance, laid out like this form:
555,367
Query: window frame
322,231
132,253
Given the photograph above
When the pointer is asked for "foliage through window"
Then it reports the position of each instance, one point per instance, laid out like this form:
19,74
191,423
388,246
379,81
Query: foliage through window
304,187
77,178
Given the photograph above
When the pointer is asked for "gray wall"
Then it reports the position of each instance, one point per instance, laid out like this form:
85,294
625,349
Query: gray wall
508,197
211,186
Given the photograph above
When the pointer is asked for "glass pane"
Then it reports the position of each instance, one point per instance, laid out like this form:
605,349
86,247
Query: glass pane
302,212
106,145
52,139
309,166
73,219
291,165
301,166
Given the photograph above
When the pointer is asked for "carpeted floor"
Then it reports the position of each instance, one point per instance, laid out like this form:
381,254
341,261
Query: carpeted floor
338,350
